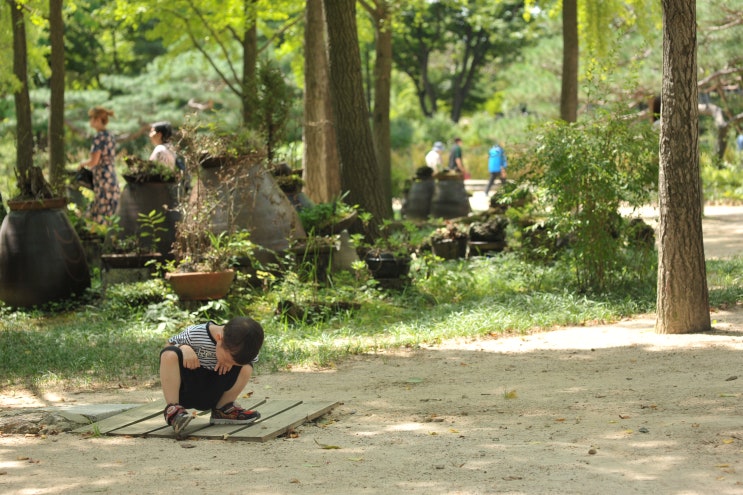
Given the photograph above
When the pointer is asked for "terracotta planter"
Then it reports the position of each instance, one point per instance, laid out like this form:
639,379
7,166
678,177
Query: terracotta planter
201,286
41,257
36,204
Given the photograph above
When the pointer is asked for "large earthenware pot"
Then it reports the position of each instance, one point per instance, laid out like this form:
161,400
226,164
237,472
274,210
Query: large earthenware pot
143,197
41,257
250,199
418,200
450,198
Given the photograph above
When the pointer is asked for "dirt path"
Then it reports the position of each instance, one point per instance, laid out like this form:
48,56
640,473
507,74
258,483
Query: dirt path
585,410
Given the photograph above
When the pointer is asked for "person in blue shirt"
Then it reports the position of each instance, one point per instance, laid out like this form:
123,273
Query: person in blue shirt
497,164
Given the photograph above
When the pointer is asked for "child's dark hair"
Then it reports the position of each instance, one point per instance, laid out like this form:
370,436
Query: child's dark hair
243,338
165,130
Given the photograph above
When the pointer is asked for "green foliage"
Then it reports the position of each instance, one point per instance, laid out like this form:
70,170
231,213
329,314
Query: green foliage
585,171
722,183
320,216
271,111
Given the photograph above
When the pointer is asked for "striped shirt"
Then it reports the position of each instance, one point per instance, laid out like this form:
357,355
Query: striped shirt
198,338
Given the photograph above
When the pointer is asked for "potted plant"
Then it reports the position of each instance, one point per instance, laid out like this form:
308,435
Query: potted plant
245,193
328,218
389,255
449,242
203,261
150,186
210,274
122,250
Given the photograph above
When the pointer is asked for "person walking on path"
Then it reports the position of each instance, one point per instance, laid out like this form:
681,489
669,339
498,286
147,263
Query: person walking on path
433,157
497,164
456,162
101,163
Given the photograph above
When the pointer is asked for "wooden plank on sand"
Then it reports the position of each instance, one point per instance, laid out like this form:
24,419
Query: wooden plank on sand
199,422
269,409
281,423
125,418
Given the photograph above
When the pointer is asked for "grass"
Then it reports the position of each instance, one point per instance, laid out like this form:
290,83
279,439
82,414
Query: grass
115,341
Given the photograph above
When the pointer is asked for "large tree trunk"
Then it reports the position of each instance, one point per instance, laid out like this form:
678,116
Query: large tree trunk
56,106
321,162
570,54
24,131
359,169
683,299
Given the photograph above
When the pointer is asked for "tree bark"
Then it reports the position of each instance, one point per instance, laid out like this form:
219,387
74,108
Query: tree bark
359,168
570,54
321,161
380,13
683,299
56,106
24,130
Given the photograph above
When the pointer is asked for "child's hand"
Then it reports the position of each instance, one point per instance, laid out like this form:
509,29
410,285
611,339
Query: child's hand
222,368
190,360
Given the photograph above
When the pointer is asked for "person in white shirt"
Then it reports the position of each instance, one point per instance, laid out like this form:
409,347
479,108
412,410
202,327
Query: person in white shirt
433,157
160,133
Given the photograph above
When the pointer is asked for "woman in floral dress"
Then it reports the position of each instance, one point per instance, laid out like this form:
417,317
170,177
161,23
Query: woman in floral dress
101,163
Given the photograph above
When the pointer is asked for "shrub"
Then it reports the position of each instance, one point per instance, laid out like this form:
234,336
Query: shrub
586,170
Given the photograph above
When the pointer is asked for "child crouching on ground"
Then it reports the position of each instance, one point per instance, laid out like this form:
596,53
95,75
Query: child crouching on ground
206,367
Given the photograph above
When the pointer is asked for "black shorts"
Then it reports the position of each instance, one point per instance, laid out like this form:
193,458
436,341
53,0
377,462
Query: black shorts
202,388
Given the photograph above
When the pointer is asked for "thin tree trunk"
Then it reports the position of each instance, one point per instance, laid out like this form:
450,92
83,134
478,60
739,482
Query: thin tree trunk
570,54
56,107
321,161
24,131
381,110
683,299
250,62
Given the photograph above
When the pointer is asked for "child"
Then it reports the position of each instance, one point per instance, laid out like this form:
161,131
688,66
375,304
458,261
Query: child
206,367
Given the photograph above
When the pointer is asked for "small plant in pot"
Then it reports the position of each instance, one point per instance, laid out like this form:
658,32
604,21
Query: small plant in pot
328,218
389,255
131,251
204,261
449,242
140,171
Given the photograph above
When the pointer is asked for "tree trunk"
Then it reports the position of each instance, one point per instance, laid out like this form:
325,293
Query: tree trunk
683,299
359,169
250,62
570,54
24,130
381,111
56,107
321,162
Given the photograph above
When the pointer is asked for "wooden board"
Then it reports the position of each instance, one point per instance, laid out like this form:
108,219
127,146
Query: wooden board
269,409
277,418
125,418
198,423
281,423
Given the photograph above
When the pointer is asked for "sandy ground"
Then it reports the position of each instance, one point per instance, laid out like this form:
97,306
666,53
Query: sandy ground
584,410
